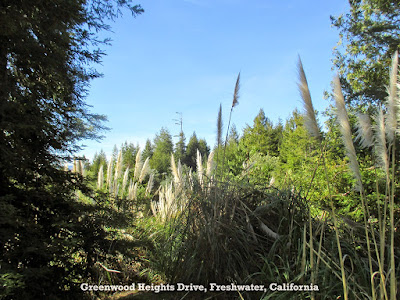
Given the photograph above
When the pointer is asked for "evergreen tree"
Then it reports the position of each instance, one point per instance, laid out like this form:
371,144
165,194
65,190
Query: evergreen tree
129,152
148,150
180,147
191,151
114,155
203,148
369,36
98,160
233,137
163,147
296,145
47,51
233,156
263,137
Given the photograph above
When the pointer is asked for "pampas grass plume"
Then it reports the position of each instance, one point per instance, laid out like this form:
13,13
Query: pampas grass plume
109,172
210,165
199,163
392,99
125,180
100,178
310,121
364,130
150,184
345,129
235,100
175,173
138,165
380,145
118,167
219,126
145,169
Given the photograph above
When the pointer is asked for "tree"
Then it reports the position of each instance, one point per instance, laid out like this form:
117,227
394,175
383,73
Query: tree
234,158
203,148
370,34
98,160
233,135
180,147
296,146
148,150
263,137
47,51
129,152
191,150
163,147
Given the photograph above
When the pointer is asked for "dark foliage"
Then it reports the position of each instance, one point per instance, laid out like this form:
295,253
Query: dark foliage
47,51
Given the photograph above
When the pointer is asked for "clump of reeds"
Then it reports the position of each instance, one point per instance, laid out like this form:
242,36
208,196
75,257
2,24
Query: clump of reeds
125,189
100,178
380,137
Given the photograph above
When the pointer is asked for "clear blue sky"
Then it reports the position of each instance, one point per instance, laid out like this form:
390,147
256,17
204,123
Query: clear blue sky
184,56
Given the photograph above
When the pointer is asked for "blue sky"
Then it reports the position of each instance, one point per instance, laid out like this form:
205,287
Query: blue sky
184,56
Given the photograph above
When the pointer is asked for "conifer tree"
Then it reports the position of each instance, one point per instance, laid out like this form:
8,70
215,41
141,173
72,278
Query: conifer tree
47,53
163,147
369,35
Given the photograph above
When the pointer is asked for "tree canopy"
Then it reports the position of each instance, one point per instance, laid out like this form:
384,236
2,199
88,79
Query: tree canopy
47,53
163,147
369,36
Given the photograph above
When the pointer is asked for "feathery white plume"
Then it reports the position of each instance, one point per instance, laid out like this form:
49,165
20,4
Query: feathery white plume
345,129
145,170
380,145
392,100
100,178
364,130
310,121
138,164
125,180
199,168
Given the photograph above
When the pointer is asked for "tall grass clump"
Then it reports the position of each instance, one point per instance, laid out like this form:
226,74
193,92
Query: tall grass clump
378,134
124,189
313,129
216,229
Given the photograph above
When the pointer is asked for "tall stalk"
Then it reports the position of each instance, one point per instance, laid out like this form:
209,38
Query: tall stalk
392,103
235,102
313,129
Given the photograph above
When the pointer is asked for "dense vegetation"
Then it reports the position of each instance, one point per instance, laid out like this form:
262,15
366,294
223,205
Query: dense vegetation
285,202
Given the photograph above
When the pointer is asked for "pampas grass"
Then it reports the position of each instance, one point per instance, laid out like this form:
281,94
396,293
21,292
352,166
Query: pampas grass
74,167
364,130
219,126
118,166
138,165
392,101
109,173
81,168
345,129
132,192
167,205
210,165
174,170
150,184
235,102
313,130
125,181
199,164
310,121
145,170
100,178
381,150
